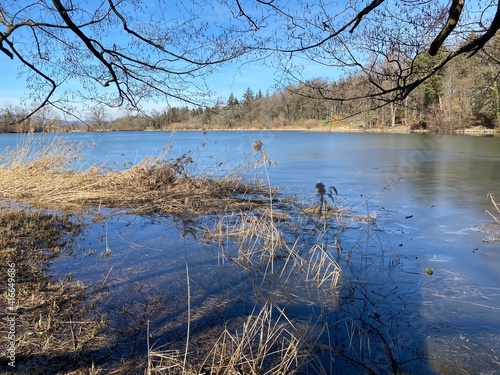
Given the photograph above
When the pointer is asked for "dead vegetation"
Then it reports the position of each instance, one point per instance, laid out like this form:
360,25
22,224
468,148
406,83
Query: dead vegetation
497,209
45,179
493,235
264,343
289,261
56,320
288,252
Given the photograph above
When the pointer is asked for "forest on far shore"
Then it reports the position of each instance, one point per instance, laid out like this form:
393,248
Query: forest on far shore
463,94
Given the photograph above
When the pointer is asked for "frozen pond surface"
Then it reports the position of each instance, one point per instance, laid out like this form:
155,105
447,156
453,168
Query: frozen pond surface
429,193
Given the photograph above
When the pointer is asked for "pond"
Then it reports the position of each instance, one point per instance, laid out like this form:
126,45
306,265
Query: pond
422,289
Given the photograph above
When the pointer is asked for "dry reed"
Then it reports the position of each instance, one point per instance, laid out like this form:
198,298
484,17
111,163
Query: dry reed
268,341
265,343
267,249
497,208
44,178
494,235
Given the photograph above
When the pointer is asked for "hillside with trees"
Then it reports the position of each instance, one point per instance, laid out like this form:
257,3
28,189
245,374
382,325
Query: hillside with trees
462,95
425,65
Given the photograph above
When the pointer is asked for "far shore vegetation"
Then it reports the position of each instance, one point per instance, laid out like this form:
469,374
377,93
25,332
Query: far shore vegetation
462,97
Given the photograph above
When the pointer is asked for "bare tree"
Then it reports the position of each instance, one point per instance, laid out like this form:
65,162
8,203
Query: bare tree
116,52
10,115
124,52
97,117
380,36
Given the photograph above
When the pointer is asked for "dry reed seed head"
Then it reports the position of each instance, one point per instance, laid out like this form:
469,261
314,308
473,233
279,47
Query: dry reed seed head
257,145
320,187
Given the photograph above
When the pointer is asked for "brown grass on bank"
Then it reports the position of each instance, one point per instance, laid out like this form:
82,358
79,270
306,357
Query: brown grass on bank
56,323
44,179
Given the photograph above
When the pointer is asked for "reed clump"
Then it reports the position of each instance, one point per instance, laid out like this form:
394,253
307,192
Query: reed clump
283,254
47,179
286,269
265,342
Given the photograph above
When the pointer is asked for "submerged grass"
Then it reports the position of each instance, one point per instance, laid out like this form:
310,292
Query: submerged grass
55,319
288,251
280,253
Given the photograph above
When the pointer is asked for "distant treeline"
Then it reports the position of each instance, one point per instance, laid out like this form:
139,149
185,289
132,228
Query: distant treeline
464,94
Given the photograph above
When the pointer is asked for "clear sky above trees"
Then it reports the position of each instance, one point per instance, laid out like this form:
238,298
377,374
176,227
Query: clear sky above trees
129,52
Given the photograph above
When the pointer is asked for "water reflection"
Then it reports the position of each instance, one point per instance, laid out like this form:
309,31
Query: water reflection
429,194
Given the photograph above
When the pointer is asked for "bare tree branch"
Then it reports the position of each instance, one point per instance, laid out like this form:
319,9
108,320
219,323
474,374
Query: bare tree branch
454,15
41,74
364,12
88,42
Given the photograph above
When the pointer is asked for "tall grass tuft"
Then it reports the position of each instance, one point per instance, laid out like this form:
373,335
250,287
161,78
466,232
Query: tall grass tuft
45,178
265,343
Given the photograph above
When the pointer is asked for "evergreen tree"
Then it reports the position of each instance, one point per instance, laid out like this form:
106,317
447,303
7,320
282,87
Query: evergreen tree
248,97
232,101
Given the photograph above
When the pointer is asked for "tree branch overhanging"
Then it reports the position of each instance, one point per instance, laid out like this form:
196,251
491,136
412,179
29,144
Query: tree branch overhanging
88,42
144,65
453,17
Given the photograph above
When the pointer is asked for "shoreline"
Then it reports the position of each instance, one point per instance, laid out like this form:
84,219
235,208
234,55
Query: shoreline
401,129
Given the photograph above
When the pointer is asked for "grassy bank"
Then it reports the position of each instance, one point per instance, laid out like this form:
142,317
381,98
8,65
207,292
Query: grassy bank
55,321
61,329
45,179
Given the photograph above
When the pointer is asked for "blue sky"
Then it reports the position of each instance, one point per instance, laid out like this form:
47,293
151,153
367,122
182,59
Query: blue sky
229,78
12,87
234,77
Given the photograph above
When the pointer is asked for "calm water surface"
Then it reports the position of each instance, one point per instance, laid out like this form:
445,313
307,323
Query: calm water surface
429,193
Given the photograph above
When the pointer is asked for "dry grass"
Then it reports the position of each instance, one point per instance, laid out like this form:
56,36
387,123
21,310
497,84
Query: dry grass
44,179
281,261
495,216
265,343
55,318
494,235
